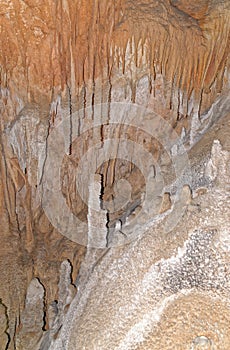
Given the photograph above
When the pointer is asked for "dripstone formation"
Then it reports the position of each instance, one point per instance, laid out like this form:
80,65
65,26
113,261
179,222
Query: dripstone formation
115,175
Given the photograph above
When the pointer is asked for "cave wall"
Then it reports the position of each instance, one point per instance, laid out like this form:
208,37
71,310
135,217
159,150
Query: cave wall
70,71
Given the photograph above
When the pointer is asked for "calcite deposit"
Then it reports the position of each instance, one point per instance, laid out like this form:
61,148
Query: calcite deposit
114,174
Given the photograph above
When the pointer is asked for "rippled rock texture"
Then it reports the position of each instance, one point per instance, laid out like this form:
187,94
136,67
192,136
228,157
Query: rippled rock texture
114,174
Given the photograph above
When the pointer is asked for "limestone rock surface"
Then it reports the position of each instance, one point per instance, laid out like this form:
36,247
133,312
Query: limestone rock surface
135,93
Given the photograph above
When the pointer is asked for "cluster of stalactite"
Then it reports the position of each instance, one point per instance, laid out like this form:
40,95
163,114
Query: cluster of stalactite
73,42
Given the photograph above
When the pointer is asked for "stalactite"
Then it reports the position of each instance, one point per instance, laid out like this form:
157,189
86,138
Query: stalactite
69,47
97,217
70,120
